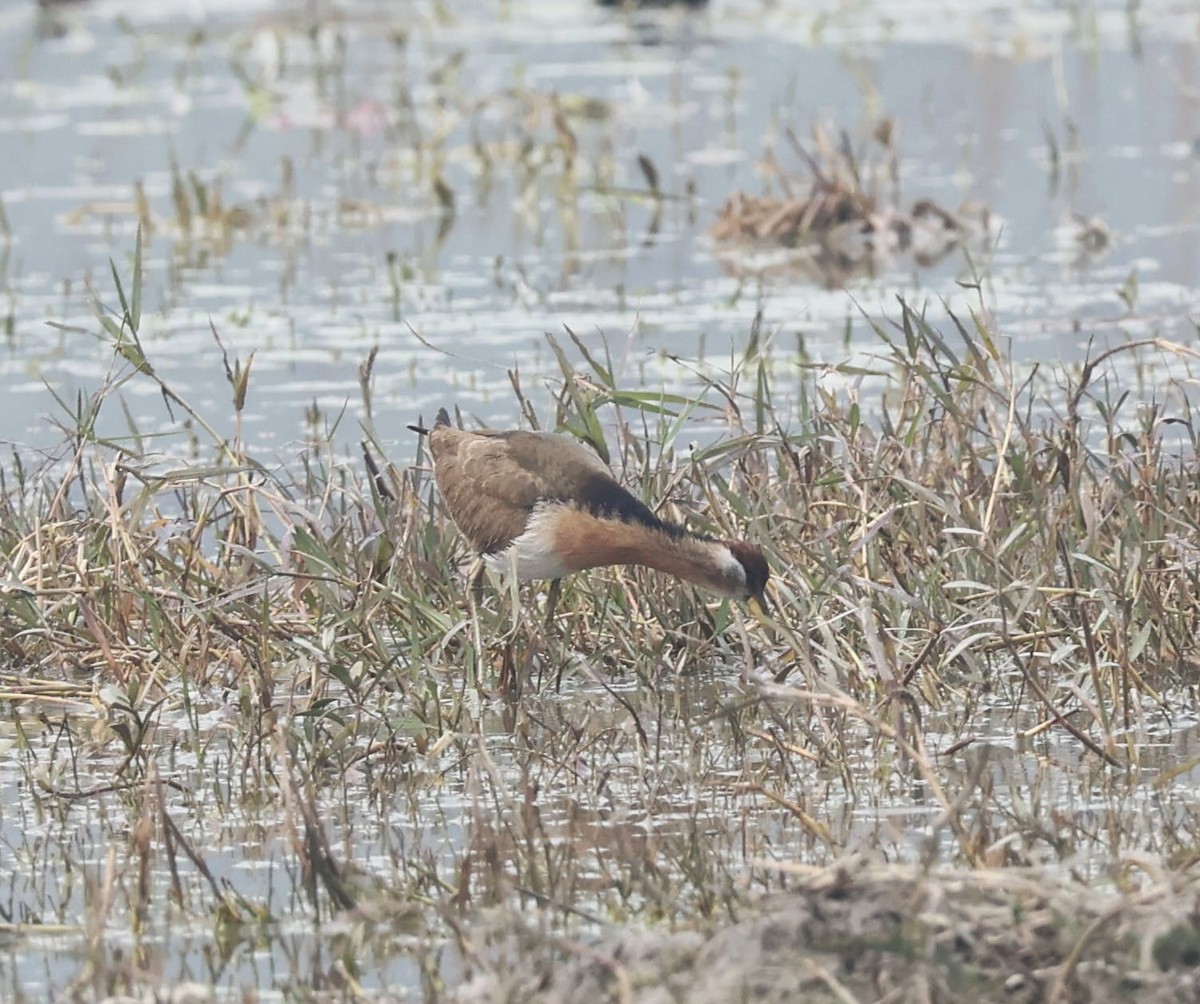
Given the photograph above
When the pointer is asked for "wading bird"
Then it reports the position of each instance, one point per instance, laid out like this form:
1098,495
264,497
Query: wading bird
544,505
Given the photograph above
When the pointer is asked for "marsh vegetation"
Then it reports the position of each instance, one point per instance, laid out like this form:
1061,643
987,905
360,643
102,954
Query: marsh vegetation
981,661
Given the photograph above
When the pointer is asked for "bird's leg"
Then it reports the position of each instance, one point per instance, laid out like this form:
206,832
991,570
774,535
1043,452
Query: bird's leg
552,600
509,679
511,671
474,599
475,580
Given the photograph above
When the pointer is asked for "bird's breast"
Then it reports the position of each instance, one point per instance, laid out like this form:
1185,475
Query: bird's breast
534,553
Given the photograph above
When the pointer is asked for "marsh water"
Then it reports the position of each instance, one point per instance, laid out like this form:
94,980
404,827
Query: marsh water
446,183
322,136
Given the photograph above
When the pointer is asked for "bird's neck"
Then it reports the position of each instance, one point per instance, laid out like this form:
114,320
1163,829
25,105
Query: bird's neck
586,541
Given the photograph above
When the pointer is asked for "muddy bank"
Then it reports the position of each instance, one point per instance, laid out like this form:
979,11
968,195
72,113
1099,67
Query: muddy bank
866,932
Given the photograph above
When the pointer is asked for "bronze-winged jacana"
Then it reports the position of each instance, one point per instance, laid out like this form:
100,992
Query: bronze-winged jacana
546,505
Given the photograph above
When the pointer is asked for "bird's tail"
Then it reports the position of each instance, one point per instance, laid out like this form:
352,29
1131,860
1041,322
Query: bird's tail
442,418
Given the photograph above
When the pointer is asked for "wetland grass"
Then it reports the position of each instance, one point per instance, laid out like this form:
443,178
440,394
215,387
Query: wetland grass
982,667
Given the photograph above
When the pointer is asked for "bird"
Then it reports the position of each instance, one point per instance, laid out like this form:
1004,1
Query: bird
545,506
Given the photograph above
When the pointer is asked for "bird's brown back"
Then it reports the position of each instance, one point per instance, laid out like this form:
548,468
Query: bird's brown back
490,481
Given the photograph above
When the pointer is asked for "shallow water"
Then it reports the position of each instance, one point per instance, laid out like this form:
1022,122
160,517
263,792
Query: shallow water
553,803
329,135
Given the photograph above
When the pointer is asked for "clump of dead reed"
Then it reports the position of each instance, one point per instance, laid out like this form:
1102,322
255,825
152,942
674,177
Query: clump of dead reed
845,212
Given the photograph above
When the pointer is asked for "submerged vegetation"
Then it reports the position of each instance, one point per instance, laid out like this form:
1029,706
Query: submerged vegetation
983,658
